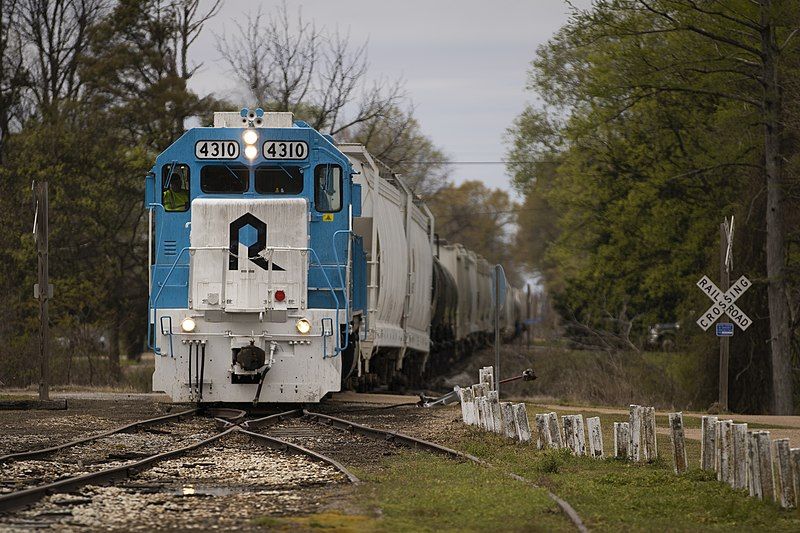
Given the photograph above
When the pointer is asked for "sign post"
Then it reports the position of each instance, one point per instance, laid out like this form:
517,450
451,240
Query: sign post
42,291
499,299
725,281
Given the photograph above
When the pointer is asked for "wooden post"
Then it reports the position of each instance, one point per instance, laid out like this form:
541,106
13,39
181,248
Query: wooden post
724,435
498,269
580,435
649,442
522,423
497,414
486,377
555,432
622,439
708,446
595,437
477,405
567,422
754,465
488,416
42,229
635,443
765,466
509,423
785,485
739,456
724,342
794,459
543,429
467,406
676,435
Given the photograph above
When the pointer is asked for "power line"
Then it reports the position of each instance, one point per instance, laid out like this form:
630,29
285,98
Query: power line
480,162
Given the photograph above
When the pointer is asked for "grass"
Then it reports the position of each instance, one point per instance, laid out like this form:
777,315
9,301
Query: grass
415,491
613,495
423,492
419,492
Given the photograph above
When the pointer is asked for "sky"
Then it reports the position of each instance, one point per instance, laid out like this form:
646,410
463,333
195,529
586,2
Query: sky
464,63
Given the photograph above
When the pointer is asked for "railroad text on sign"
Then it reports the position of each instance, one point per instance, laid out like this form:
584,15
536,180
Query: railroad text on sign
724,303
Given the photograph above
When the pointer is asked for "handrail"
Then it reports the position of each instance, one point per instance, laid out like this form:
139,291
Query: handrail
152,305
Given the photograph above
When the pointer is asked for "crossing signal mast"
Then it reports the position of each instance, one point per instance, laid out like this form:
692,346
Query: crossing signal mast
724,303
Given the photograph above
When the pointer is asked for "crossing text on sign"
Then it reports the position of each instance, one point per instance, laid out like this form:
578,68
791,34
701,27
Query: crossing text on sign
724,303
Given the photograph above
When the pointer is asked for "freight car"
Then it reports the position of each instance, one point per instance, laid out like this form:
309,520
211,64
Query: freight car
284,265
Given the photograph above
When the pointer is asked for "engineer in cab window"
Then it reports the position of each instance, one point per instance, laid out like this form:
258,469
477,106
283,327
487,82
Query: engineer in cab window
176,197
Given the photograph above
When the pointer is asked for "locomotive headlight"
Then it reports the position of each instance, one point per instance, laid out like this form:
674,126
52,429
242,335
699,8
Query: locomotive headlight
303,326
250,151
250,137
188,324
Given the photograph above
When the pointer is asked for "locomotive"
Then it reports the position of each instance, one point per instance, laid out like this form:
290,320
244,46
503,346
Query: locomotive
284,266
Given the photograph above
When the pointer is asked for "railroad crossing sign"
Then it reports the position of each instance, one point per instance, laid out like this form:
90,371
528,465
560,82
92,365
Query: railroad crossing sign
724,303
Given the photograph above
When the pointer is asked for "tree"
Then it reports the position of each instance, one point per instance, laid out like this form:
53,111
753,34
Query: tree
290,65
397,141
14,76
108,91
480,218
661,116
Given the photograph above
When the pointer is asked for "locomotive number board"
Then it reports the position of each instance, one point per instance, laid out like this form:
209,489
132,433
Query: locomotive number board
285,150
216,149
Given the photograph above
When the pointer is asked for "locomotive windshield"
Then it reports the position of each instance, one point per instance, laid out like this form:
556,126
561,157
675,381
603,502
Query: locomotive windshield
283,179
224,179
175,187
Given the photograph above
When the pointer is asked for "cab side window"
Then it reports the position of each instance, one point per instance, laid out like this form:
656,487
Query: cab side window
328,188
175,187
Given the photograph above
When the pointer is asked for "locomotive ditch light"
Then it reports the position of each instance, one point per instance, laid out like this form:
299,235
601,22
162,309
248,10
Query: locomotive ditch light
250,137
303,326
250,151
188,324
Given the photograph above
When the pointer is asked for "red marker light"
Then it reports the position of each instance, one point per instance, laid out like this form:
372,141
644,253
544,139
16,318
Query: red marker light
280,296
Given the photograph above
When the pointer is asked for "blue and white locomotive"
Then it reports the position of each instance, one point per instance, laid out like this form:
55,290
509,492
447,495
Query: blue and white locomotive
282,264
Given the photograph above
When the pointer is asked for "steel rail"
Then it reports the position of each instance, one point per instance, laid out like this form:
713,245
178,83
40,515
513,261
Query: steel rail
270,420
387,436
408,440
282,445
225,416
15,500
134,425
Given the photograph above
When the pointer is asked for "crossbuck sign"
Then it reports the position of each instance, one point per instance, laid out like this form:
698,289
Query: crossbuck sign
724,303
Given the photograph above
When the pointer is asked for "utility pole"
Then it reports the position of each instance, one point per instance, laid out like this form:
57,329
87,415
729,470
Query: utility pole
41,230
725,260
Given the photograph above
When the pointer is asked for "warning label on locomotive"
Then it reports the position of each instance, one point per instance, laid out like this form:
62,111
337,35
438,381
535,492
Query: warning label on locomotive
327,217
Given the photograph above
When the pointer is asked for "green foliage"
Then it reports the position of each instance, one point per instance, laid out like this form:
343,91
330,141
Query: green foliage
94,149
649,135
477,217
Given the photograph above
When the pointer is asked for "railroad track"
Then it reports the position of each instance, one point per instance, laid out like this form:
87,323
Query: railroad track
227,456
224,458
399,439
